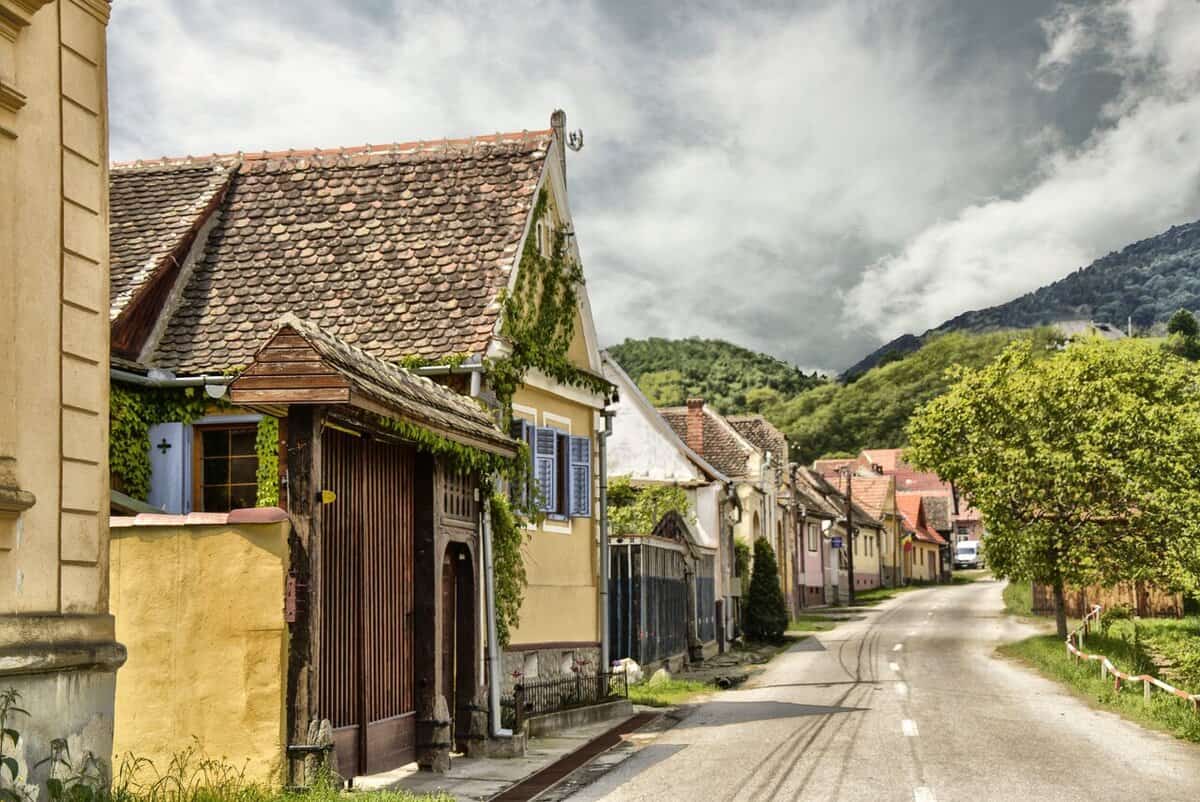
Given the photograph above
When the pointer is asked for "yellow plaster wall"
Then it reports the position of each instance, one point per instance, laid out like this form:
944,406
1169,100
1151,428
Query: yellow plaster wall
53,308
917,563
200,610
560,556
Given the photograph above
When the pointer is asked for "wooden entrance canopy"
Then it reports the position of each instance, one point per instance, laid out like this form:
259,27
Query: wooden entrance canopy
301,364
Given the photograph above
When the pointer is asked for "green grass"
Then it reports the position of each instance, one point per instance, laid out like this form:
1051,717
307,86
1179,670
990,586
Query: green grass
1018,598
191,776
966,577
666,693
1048,655
811,623
876,595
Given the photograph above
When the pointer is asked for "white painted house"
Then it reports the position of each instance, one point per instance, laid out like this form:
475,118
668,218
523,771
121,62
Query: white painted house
644,448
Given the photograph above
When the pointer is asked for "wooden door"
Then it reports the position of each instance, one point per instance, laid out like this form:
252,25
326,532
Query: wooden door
366,650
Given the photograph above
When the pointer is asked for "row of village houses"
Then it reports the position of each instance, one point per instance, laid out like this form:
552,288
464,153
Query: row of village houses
297,287
306,344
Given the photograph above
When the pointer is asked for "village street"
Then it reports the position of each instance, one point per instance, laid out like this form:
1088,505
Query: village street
906,704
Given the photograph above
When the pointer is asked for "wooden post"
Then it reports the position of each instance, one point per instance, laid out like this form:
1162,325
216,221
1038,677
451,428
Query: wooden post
304,505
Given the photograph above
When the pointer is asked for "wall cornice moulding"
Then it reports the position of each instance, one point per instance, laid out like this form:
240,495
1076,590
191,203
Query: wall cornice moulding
17,14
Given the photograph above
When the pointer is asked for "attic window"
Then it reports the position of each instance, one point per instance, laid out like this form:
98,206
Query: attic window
226,468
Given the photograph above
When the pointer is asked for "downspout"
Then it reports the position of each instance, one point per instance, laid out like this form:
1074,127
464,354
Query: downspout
602,439
489,579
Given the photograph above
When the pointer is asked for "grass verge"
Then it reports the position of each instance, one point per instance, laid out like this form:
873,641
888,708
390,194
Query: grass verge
666,693
1167,713
811,623
869,598
1018,598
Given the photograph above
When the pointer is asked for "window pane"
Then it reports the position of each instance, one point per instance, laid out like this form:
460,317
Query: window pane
242,496
216,499
241,441
215,442
242,470
216,471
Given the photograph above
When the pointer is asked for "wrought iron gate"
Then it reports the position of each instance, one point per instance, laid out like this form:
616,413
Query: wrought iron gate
366,649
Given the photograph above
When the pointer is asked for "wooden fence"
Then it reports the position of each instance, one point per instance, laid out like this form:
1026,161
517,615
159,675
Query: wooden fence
1145,600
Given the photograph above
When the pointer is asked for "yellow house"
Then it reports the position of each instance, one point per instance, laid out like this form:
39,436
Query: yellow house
922,546
454,260
56,634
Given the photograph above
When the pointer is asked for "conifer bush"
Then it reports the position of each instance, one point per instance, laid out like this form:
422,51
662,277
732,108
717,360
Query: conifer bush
766,612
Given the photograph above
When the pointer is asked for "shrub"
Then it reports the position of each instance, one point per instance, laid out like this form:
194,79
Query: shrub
766,612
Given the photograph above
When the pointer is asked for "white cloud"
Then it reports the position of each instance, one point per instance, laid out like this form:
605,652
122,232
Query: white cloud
1128,181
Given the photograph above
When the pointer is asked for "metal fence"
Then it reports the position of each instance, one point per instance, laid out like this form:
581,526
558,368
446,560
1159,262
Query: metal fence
539,697
706,594
648,598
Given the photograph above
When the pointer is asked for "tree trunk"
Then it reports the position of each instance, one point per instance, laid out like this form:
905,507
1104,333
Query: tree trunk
1060,609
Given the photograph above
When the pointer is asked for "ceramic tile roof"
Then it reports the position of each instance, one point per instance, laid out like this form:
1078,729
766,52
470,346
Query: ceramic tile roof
938,507
721,448
835,500
871,492
413,397
399,250
765,437
888,459
911,510
151,211
828,467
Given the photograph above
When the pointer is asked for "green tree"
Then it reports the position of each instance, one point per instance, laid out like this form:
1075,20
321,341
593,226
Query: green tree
663,388
766,612
1084,463
637,510
1184,323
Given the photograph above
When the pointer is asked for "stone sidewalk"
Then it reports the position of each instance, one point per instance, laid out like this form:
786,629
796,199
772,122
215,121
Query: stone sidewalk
482,778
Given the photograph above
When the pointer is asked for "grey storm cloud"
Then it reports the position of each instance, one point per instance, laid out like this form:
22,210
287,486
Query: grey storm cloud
807,179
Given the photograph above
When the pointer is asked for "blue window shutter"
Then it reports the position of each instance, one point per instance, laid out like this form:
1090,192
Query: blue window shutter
545,465
170,467
579,480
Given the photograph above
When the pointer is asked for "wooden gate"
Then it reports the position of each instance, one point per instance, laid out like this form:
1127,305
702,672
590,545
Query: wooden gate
366,651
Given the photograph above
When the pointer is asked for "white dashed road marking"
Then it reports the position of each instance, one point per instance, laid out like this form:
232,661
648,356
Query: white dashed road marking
894,667
909,727
901,689
897,647
923,794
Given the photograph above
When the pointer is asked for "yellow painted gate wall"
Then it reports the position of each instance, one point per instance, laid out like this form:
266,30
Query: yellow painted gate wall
200,609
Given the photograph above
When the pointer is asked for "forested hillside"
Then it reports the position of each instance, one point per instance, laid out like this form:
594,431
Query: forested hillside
873,411
1146,282
730,378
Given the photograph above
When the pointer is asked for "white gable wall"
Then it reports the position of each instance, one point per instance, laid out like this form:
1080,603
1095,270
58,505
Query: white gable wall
638,449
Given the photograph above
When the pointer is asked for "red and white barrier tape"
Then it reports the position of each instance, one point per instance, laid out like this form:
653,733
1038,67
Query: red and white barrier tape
1119,676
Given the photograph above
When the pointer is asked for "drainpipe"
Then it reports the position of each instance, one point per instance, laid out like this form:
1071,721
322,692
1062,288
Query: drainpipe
489,580
605,661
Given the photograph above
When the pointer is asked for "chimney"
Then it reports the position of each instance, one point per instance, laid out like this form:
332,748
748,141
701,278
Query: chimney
695,425
558,123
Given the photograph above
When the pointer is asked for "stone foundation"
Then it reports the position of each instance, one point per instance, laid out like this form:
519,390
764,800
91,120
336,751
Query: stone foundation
529,665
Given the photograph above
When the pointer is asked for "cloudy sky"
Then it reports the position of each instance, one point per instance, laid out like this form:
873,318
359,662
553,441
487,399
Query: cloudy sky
809,178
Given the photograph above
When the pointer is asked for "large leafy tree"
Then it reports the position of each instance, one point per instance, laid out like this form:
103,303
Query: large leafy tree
1085,462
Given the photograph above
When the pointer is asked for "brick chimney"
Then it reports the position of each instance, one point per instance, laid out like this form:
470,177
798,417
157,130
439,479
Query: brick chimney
695,425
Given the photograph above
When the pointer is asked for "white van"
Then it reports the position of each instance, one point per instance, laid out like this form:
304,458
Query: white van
968,554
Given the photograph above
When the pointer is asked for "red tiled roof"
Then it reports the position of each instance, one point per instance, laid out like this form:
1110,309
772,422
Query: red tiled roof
828,467
888,459
871,492
911,510
721,448
759,431
399,250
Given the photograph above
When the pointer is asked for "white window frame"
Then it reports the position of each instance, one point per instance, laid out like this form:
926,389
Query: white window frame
557,524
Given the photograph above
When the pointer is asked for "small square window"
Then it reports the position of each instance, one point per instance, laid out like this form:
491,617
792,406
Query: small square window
226,467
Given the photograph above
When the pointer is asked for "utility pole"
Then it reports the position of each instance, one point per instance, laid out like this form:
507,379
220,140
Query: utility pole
849,545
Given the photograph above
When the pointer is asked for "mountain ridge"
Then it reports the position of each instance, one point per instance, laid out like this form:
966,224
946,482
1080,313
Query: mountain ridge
1144,282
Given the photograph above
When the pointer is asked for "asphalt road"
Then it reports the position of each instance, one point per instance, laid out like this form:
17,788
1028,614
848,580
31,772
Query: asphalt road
908,703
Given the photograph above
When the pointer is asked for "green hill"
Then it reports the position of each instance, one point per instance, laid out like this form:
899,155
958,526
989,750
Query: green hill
1144,283
730,378
873,411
